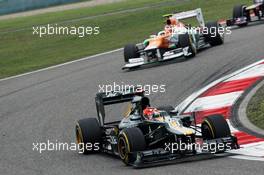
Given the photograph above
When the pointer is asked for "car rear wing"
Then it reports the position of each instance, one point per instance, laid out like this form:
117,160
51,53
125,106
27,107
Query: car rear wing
114,97
190,14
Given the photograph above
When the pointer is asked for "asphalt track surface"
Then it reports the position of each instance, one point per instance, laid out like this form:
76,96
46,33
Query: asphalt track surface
44,106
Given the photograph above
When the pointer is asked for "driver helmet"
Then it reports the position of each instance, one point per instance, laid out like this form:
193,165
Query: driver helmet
151,113
170,23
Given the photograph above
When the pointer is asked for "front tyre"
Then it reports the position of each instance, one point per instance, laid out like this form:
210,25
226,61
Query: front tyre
215,126
130,140
131,51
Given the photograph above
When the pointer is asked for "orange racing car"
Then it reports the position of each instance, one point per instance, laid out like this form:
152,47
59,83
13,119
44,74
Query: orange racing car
176,40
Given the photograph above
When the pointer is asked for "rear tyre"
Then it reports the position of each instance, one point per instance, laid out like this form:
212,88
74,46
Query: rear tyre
238,12
215,126
130,140
88,135
130,51
186,40
213,37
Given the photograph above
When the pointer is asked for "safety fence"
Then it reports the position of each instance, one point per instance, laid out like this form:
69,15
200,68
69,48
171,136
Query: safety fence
12,6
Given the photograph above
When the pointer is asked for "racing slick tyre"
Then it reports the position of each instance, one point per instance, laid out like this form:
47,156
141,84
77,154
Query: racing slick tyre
215,126
213,37
168,108
88,135
130,51
130,140
238,12
186,40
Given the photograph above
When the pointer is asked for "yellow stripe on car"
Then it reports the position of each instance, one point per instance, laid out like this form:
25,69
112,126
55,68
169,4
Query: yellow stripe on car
126,138
79,129
185,131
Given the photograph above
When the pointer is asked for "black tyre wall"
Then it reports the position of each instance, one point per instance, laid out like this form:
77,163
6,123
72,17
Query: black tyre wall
90,131
213,37
130,51
217,125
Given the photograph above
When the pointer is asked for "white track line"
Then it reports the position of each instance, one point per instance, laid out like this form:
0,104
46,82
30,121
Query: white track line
60,65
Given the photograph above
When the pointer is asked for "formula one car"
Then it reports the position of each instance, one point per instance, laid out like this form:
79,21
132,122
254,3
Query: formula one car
242,14
174,41
148,136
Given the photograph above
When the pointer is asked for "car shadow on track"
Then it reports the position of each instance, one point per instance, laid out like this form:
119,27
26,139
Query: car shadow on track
119,164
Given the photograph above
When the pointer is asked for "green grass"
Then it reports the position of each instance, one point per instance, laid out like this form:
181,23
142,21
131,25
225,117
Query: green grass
63,17
21,51
255,109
